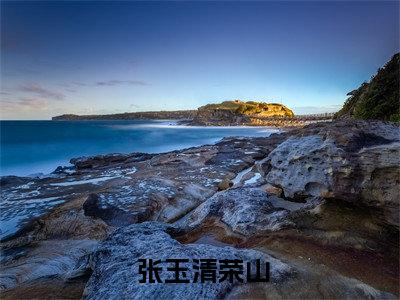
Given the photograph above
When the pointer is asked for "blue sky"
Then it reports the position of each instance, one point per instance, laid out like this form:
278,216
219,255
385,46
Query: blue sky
110,57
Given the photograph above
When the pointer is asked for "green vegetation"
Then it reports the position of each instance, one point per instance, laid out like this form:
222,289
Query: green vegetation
251,108
378,99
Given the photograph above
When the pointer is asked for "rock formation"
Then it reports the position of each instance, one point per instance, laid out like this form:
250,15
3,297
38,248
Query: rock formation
320,203
250,108
236,112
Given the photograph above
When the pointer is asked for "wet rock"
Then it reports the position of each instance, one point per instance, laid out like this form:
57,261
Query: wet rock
23,204
164,187
245,210
104,160
146,199
307,284
380,184
274,190
115,266
332,166
344,225
64,170
48,259
225,184
13,180
110,214
352,135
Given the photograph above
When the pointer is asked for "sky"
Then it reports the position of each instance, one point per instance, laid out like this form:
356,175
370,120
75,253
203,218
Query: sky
110,57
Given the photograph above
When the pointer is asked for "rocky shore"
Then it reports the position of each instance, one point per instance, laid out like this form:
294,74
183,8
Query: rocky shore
320,203
228,118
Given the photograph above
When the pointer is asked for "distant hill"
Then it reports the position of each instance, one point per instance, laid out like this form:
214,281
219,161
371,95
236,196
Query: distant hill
156,115
251,108
237,112
226,110
378,98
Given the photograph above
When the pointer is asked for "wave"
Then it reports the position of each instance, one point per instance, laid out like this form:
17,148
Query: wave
180,126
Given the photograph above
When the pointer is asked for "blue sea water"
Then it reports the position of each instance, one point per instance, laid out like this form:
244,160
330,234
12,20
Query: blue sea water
30,147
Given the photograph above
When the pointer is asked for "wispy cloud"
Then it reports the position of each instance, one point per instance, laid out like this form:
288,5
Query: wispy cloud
76,83
25,104
112,82
4,93
42,92
120,82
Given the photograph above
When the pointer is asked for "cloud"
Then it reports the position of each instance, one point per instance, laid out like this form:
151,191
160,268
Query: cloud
113,82
41,92
120,82
23,104
79,83
4,93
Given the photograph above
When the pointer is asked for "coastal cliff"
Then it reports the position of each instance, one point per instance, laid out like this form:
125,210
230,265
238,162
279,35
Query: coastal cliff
236,112
254,108
227,113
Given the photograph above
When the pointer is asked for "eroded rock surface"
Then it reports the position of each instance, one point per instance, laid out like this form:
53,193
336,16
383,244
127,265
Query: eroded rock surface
303,166
349,167
324,189
245,210
116,261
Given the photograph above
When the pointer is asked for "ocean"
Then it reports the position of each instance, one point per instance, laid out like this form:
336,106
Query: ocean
32,147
